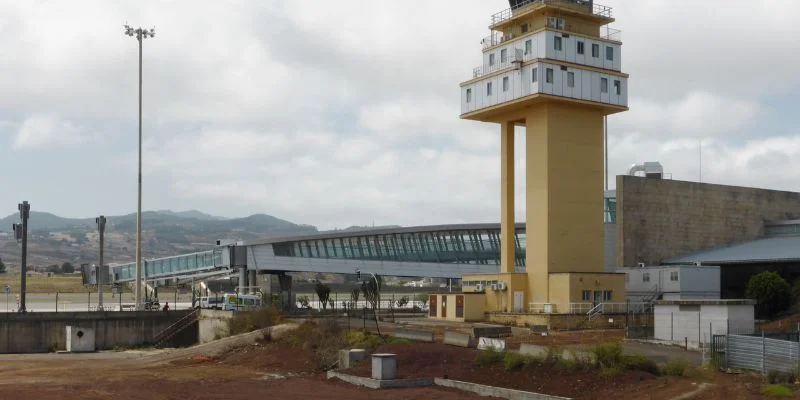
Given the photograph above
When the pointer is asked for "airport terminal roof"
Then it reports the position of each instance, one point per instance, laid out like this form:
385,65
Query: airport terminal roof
765,250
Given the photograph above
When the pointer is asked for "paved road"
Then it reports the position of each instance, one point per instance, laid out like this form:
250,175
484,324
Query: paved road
656,352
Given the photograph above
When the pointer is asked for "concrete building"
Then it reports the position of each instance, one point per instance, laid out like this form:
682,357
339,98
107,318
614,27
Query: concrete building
555,68
461,307
692,322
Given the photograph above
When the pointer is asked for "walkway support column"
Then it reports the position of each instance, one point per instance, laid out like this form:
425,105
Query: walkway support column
252,282
242,280
507,225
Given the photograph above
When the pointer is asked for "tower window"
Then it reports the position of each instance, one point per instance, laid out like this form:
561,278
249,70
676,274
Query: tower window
580,47
673,276
524,28
489,89
646,277
618,87
505,83
503,56
491,59
549,75
586,295
535,75
571,79
528,46
469,95
609,53
596,50
557,43
607,295
604,85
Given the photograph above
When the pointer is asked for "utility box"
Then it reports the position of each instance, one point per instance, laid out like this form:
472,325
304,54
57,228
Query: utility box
80,340
384,366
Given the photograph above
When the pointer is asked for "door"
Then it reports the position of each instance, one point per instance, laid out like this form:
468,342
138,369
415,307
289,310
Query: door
598,298
444,307
460,306
519,306
432,310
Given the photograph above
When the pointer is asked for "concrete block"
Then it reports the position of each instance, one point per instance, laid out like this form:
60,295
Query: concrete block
80,340
410,334
533,350
491,344
496,332
379,384
457,339
384,366
578,356
492,391
348,358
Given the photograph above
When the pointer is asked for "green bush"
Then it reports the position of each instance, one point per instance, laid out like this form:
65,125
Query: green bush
676,367
513,361
777,391
487,358
639,362
363,340
608,355
249,321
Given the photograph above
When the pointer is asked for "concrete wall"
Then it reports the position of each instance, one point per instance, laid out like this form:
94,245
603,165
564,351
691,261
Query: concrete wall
213,324
46,332
693,282
568,322
610,247
658,219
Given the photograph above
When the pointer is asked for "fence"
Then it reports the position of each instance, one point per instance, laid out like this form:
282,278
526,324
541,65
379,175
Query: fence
696,330
757,353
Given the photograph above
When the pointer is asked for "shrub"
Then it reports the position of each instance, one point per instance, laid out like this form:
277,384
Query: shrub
249,321
639,362
324,340
487,358
612,371
513,361
777,391
363,340
778,377
608,355
771,291
676,367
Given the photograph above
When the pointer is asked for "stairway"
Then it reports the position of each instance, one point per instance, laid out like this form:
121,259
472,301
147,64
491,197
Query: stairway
163,337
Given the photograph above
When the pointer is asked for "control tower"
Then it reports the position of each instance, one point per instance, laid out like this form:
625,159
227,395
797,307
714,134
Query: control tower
555,68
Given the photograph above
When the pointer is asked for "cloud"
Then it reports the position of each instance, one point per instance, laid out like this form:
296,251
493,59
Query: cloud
48,131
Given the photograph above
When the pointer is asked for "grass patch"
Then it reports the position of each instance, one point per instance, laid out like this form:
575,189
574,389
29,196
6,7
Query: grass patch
324,339
513,361
249,321
487,358
777,391
639,362
676,367
608,355
363,340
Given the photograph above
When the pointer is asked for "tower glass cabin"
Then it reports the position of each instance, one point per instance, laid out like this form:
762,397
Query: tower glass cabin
554,67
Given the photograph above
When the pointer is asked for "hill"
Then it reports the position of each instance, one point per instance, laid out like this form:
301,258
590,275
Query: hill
54,239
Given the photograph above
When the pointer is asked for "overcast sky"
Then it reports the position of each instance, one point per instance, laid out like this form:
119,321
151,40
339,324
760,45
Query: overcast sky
335,113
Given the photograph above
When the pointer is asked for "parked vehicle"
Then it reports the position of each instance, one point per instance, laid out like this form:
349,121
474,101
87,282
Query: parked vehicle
211,302
240,302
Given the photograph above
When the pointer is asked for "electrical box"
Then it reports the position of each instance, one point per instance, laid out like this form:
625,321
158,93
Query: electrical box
80,340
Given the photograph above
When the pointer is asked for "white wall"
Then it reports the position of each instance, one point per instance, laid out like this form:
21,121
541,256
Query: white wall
693,282
587,87
696,323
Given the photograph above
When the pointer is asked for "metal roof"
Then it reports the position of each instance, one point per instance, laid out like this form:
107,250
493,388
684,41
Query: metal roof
770,249
377,232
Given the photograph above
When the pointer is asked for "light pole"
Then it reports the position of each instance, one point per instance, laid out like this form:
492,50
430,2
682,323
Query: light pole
140,34
101,227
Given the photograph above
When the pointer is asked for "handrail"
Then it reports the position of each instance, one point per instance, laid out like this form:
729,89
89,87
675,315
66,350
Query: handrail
595,309
177,326
596,9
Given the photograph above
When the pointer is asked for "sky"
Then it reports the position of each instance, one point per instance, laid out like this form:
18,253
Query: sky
347,113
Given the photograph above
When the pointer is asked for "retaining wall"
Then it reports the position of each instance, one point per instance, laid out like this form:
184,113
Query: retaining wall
46,332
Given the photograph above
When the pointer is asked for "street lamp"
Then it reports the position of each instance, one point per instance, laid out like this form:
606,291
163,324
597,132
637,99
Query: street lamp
140,34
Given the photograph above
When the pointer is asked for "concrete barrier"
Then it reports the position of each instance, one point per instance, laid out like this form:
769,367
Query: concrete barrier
491,344
420,336
348,358
491,391
579,356
457,339
380,384
495,332
533,350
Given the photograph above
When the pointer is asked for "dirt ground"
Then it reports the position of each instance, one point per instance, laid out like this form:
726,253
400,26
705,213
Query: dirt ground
242,367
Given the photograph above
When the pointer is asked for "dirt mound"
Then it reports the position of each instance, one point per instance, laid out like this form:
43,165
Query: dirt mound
438,360
272,357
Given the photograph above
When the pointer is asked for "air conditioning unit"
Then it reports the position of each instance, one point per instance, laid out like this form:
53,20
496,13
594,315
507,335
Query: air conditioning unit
548,309
640,265
494,287
479,287
501,286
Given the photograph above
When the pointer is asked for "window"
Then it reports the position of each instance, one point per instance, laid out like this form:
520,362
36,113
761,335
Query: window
580,47
491,59
618,87
555,22
524,28
489,89
505,83
609,53
557,43
571,79
528,46
646,277
587,295
607,295
503,56
469,95
535,75
549,77
595,51
604,85
673,276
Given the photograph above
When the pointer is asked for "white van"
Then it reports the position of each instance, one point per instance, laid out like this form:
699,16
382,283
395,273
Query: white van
240,302
211,302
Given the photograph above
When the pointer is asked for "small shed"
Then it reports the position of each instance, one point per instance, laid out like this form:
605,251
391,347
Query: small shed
462,307
693,322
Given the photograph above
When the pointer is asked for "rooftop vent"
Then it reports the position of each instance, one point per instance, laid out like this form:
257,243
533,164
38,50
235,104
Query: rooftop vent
650,170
